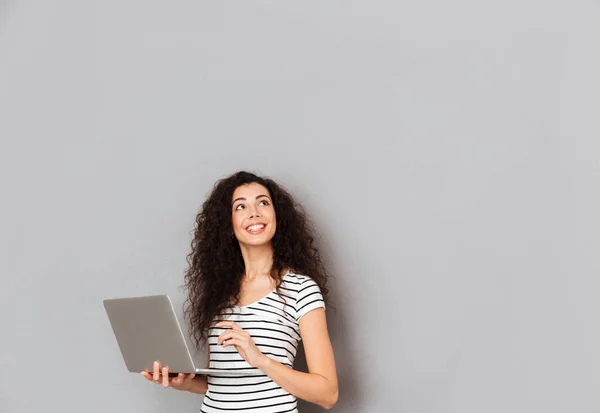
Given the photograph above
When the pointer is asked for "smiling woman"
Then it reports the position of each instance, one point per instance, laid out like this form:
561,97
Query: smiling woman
253,215
256,288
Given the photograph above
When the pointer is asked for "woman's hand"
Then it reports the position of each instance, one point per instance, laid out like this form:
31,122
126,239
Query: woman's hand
161,376
242,342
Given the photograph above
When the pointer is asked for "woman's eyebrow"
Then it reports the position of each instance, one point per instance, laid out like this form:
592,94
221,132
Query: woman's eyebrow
243,199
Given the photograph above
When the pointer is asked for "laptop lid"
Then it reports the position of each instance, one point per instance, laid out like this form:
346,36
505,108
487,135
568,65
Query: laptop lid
147,329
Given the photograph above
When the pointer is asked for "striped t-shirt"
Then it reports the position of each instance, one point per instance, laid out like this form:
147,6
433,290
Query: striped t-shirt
272,322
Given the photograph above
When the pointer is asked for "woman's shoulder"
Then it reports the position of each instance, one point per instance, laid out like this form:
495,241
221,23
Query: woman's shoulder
296,278
298,282
304,291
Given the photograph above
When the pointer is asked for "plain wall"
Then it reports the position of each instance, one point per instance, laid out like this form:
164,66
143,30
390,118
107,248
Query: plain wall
448,152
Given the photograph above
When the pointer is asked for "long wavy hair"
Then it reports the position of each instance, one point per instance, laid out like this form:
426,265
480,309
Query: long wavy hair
216,265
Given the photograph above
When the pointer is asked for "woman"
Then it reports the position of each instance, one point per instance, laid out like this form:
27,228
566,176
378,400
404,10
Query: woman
256,288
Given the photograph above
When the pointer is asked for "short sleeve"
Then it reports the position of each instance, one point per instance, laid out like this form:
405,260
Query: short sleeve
309,298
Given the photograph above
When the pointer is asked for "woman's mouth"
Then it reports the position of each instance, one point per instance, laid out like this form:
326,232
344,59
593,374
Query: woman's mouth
256,229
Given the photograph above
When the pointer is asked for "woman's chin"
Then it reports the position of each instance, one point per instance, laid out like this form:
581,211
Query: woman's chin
256,243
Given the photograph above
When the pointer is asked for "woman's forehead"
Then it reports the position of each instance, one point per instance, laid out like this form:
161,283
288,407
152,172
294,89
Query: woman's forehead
251,190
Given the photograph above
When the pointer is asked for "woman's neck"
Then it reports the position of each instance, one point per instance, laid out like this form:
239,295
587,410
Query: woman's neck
258,260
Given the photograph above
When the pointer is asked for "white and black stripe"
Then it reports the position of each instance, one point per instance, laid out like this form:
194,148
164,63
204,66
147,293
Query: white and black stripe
273,324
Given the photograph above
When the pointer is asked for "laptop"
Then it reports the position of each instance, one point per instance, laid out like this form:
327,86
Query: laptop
147,329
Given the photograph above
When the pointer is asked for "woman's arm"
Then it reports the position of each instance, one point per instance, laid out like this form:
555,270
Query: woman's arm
320,385
198,385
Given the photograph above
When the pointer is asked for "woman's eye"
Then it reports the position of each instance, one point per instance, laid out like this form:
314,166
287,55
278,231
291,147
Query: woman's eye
239,206
264,202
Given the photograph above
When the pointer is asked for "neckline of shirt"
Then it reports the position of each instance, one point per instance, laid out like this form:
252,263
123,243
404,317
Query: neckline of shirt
264,297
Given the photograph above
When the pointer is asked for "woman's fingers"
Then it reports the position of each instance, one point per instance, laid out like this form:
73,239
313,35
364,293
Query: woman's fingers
229,335
233,342
156,368
229,324
165,377
186,377
160,375
178,381
182,381
234,331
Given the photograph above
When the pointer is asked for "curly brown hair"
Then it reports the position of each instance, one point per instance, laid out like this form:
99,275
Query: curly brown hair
216,266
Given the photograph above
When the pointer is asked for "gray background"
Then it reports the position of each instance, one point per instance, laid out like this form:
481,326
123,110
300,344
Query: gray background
447,151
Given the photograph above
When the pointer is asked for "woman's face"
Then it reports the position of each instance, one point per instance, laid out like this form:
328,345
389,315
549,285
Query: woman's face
253,215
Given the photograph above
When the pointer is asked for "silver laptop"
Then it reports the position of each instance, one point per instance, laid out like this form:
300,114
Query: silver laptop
147,329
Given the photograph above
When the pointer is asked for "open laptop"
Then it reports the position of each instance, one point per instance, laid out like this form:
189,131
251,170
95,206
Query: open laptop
147,329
